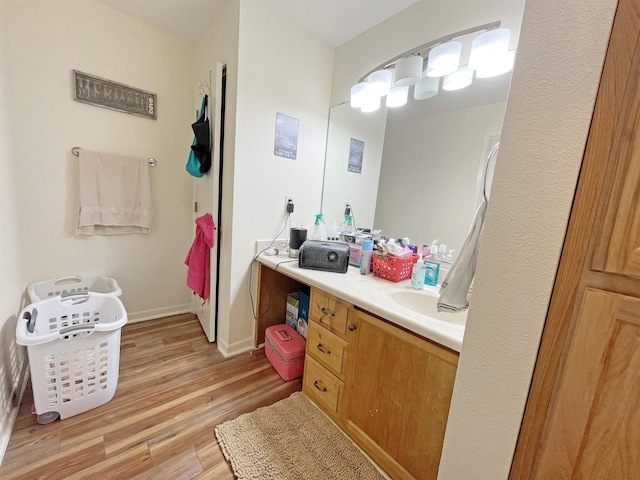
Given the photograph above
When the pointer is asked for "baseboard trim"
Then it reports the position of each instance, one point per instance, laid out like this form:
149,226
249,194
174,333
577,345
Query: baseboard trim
144,315
236,348
5,437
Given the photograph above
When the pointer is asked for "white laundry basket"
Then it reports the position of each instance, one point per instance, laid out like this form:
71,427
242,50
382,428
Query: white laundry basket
76,283
73,344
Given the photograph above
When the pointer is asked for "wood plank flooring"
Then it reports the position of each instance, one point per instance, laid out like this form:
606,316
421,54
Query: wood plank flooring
174,388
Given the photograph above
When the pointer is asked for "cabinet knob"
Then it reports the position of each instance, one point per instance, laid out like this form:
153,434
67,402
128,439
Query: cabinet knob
352,327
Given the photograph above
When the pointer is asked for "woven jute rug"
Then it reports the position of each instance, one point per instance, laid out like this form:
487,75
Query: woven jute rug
291,440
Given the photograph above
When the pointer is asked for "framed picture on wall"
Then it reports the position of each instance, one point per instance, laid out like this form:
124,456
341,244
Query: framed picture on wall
356,152
286,142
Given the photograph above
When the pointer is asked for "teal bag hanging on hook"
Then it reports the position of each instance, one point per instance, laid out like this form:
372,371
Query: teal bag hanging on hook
193,163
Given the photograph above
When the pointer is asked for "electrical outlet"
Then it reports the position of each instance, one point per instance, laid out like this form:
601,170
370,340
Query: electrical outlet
287,199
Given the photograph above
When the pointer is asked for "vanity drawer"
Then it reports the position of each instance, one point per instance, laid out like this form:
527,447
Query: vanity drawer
329,311
321,385
326,347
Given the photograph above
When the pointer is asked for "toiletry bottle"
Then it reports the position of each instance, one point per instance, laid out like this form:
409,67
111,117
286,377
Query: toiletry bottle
318,232
442,252
334,231
432,269
417,274
365,259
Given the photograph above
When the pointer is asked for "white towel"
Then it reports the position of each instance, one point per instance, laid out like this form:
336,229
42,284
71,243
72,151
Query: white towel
456,288
115,194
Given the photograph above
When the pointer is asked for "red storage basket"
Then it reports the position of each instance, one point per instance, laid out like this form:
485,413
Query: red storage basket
393,268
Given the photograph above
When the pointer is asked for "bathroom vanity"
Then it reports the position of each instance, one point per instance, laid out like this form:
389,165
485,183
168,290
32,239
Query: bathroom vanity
375,363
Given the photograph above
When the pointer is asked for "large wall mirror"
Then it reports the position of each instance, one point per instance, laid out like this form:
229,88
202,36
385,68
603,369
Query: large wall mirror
422,164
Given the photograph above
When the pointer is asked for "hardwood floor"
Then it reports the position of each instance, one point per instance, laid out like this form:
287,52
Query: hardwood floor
174,388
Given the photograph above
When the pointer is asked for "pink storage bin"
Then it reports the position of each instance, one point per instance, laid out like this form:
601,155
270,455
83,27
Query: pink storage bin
284,348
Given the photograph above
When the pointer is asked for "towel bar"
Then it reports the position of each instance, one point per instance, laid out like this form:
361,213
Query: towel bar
76,151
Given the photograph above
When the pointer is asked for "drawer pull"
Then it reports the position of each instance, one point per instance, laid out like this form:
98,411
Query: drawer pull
326,313
322,389
322,349
352,327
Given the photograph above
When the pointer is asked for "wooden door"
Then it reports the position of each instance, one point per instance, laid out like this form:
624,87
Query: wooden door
594,429
582,419
398,398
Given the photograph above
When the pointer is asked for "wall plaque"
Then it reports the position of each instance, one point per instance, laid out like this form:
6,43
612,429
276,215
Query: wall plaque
115,96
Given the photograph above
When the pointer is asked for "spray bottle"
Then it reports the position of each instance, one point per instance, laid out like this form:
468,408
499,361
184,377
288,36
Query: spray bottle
318,232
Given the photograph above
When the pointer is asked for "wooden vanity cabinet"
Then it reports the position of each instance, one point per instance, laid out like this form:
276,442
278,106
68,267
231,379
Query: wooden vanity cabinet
387,388
326,351
398,397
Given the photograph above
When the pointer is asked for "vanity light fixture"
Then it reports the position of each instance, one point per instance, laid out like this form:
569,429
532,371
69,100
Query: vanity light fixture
408,71
458,80
489,48
444,59
358,92
379,83
490,56
398,97
371,103
502,63
426,88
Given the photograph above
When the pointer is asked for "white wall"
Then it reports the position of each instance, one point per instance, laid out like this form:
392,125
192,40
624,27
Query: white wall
281,68
13,275
549,109
50,38
428,179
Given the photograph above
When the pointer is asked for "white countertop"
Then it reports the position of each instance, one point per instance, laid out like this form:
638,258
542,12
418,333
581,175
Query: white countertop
374,295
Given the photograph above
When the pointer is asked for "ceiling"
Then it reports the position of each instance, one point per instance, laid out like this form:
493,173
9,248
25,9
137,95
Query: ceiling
333,21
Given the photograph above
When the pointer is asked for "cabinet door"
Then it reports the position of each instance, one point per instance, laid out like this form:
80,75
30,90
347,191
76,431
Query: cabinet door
595,422
618,242
398,397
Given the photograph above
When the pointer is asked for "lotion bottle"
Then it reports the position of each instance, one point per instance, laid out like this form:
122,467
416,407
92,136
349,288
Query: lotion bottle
417,274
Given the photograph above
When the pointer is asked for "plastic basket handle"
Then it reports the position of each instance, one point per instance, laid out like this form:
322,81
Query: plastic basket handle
75,297
67,280
30,317
75,328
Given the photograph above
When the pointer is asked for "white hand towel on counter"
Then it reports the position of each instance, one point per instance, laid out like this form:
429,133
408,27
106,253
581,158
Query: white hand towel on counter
456,288
115,194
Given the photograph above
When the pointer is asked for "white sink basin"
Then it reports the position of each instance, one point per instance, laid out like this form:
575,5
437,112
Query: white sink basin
425,304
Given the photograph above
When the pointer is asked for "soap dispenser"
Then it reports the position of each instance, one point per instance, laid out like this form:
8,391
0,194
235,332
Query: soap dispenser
432,265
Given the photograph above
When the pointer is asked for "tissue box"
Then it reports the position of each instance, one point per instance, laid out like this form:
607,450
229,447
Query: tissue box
355,237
